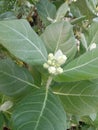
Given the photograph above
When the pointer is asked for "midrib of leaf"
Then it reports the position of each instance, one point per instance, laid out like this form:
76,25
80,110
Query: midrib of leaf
77,95
42,110
81,65
13,76
27,40
46,9
58,42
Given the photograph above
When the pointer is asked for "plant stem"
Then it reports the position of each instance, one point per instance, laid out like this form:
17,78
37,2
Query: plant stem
48,82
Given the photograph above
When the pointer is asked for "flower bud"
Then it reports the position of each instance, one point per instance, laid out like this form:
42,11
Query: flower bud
59,70
49,62
45,65
61,59
50,56
52,70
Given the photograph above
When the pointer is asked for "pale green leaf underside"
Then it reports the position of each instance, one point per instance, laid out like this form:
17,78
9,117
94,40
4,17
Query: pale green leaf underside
83,68
60,36
20,39
79,97
13,79
39,111
62,11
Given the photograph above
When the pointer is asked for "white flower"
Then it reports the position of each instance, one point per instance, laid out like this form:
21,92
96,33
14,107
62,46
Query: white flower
54,62
7,105
60,57
59,70
52,70
92,46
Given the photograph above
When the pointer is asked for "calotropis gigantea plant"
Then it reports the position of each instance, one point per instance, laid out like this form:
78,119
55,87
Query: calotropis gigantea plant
58,77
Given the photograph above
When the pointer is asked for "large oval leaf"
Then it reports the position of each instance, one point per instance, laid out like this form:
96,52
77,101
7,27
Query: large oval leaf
40,110
79,97
14,80
20,39
83,68
61,12
60,36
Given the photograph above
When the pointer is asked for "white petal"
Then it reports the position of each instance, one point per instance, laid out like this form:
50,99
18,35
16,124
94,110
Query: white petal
93,46
58,53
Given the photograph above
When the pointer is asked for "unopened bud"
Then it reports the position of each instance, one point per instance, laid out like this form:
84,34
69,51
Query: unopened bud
50,56
49,62
52,70
61,59
59,70
45,65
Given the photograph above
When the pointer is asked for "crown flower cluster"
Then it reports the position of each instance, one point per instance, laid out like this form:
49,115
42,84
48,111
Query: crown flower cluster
54,62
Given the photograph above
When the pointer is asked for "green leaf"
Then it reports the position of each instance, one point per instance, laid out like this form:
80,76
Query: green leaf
14,80
87,120
79,98
20,39
78,20
60,36
61,12
92,4
7,15
84,42
40,110
1,120
46,10
80,7
82,68
92,35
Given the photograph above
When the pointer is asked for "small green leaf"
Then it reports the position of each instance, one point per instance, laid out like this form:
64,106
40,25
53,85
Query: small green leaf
80,98
20,39
40,110
92,4
46,10
84,42
60,36
14,80
82,68
92,35
61,12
